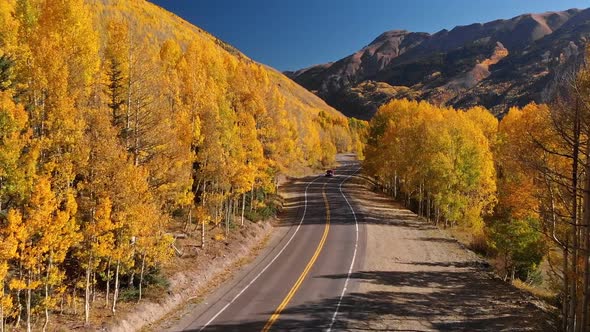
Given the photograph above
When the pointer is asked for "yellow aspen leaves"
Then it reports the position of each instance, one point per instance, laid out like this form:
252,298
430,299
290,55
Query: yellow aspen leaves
441,158
116,125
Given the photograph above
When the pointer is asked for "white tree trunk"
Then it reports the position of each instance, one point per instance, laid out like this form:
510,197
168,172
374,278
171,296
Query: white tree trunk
203,224
141,276
116,291
28,305
243,207
87,295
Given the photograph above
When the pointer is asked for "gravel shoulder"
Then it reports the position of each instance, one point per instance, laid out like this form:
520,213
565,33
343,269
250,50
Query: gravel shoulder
417,278
197,276
202,280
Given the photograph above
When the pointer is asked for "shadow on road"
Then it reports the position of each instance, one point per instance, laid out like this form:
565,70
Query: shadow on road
464,299
494,307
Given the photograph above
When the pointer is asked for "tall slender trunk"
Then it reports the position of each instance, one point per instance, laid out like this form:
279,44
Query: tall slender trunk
420,199
132,277
129,94
93,286
47,292
74,298
18,301
132,274
581,255
217,213
87,294
1,307
574,220
116,291
243,208
28,305
252,198
566,302
107,296
203,224
204,221
141,276
564,247
227,216
136,135
586,240
423,198
190,218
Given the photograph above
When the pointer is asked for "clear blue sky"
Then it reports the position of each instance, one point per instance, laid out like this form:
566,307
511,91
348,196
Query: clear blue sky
292,34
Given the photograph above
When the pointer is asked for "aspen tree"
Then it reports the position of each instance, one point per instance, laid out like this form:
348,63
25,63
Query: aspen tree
59,235
33,245
16,165
116,129
441,156
8,249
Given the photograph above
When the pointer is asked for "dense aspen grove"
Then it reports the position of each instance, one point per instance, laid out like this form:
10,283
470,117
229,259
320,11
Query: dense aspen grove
118,119
520,185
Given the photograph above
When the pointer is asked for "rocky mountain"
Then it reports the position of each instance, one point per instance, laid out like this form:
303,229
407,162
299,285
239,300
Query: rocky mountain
497,64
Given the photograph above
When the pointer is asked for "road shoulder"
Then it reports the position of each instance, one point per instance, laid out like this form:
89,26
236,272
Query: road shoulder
416,277
203,286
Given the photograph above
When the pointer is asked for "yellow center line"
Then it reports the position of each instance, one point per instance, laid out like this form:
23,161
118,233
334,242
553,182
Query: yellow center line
299,281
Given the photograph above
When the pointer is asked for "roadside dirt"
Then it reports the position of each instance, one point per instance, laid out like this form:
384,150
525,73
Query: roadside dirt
417,278
196,274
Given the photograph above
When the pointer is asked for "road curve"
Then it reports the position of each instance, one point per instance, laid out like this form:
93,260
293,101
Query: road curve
319,235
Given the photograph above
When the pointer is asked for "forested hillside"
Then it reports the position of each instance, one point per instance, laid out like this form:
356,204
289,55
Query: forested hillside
118,119
520,186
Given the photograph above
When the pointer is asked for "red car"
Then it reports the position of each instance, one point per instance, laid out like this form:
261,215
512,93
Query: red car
329,173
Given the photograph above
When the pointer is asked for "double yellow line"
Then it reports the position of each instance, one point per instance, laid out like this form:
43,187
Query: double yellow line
299,281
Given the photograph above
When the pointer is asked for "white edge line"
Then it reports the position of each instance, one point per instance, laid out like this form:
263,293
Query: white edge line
356,225
268,265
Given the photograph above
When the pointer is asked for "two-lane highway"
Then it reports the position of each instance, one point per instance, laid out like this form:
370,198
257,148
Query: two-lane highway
285,288
327,268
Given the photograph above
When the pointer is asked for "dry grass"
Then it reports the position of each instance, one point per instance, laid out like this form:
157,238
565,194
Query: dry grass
539,292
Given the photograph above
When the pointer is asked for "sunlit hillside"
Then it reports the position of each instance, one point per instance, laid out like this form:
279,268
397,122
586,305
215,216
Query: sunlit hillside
119,120
161,25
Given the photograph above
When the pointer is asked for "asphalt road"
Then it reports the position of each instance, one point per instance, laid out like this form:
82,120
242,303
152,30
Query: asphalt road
285,288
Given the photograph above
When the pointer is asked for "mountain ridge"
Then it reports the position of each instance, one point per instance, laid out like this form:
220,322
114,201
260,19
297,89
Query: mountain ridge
455,67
